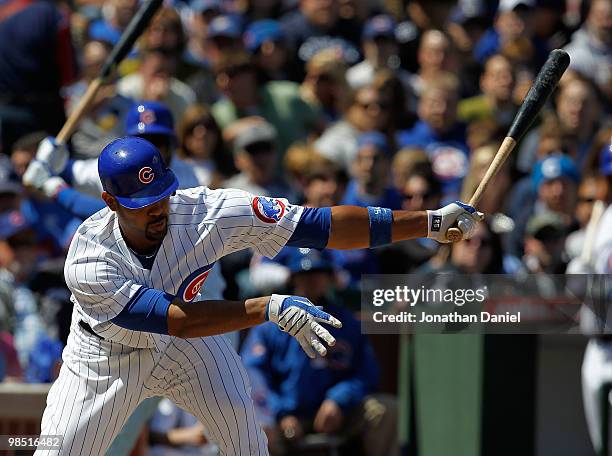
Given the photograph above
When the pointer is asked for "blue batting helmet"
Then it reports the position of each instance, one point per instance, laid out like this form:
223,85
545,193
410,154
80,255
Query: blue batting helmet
132,170
149,118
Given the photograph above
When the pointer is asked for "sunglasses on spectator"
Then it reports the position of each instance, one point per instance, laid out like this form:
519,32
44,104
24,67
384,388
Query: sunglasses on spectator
586,199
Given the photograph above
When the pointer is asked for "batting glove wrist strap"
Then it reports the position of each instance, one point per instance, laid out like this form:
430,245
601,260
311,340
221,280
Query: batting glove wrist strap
460,214
301,319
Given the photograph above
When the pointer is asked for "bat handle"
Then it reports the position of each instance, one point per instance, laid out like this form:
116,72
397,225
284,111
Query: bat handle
78,112
454,234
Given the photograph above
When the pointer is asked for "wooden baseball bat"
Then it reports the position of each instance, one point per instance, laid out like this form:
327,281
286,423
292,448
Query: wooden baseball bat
139,22
542,88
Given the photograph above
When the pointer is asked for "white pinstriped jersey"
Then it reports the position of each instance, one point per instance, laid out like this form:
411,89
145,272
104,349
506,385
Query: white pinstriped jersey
203,226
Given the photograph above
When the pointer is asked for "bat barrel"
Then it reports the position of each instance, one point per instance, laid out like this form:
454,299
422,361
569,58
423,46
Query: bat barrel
538,94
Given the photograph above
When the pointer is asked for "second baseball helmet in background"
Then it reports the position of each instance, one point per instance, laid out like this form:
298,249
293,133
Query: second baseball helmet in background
149,118
132,170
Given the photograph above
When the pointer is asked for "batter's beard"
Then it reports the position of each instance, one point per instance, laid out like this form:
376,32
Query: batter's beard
156,236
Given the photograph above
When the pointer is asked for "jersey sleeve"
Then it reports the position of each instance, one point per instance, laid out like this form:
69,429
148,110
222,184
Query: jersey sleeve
243,220
100,284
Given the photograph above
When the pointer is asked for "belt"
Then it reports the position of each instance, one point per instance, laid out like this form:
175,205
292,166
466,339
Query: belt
88,329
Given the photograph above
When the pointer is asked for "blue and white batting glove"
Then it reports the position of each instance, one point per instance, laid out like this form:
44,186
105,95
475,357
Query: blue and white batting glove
54,155
457,213
300,318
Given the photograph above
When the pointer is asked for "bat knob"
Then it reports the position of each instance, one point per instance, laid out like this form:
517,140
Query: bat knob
454,234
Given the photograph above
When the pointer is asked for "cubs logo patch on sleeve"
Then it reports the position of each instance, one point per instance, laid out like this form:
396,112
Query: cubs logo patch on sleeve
269,210
193,284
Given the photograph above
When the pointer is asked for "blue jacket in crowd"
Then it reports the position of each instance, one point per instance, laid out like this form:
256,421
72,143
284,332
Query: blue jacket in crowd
297,385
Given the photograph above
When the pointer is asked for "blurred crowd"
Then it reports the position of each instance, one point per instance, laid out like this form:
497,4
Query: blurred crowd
393,103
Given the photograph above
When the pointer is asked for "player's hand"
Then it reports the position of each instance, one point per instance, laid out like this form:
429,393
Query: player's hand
329,418
464,216
36,175
54,155
53,186
300,318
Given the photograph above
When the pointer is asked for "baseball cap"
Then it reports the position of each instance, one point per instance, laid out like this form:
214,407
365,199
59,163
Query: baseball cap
547,225
379,26
149,118
309,260
261,31
511,5
605,160
374,138
251,134
11,223
554,167
224,26
133,171
203,6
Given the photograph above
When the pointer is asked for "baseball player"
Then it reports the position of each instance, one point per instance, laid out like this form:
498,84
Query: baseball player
597,363
135,270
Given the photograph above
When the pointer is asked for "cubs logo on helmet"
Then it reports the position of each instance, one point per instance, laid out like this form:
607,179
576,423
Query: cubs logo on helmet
147,116
269,210
193,284
146,175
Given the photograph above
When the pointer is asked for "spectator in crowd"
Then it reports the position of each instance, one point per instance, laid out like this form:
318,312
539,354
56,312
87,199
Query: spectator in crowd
367,111
577,115
156,81
496,101
34,41
20,264
201,145
105,117
544,239
224,36
199,55
256,158
255,10
265,40
22,154
317,25
324,85
174,432
512,34
434,58
116,15
165,32
591,47
551,188
371,185
341,386
201,14
408,162
278,102
440,134
380,50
